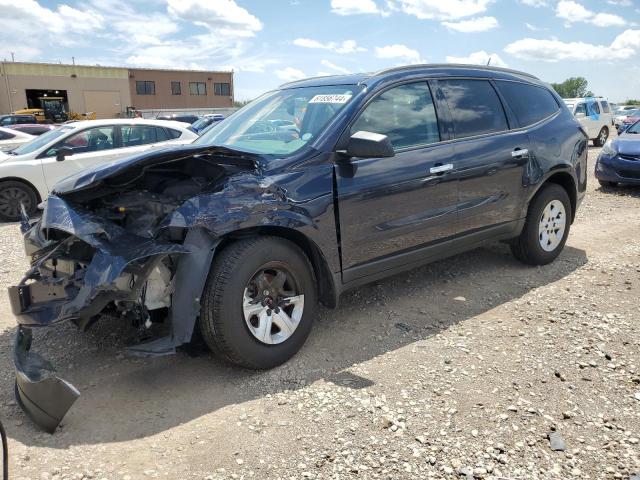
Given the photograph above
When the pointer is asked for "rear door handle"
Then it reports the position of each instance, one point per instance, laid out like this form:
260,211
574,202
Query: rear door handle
520,152
441,168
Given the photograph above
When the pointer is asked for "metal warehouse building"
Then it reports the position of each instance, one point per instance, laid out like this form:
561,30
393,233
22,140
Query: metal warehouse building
111,91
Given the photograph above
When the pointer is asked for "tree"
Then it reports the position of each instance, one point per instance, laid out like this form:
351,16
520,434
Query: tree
574,87
632,102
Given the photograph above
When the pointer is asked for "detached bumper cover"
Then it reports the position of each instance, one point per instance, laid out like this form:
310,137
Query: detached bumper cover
45,397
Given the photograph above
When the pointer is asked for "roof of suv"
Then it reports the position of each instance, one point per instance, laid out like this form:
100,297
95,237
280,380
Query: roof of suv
447,69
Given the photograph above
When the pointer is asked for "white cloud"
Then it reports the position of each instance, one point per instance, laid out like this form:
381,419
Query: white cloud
608,20
290,74
16,15
533,28
347,46
443,10
478,24
624,46
398,51
335,67
573,12
225,17
478,58
535,3
354,7
620,3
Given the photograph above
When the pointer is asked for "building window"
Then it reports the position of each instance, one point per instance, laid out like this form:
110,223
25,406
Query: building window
223,89
176,89
145,87
198,88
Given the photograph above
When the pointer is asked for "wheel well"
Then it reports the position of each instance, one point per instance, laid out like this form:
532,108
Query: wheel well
566,181
25,182
321,270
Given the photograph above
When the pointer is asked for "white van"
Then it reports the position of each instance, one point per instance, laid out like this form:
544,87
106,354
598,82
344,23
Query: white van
594,113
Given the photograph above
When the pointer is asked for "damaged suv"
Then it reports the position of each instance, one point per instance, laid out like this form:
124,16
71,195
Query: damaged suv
240,235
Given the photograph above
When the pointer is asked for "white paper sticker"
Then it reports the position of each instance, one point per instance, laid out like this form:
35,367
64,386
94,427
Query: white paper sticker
336,98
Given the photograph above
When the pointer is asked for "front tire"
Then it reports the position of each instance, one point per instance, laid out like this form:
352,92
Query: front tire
12,195
602,137
258,303
546,228
605,184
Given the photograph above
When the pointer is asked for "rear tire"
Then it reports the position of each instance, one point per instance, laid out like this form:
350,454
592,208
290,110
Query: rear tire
241,298
546,228
602,137
12,194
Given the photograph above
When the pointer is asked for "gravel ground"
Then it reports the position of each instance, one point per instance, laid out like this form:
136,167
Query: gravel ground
471,367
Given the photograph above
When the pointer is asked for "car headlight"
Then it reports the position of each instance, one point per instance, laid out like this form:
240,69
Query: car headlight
609,150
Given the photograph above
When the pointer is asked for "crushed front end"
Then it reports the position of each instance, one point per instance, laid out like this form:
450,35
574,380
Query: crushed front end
104,246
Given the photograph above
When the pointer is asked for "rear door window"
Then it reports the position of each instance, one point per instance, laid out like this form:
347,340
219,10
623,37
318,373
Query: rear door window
135,135
405,114
580,108
475,107
605,107
529,103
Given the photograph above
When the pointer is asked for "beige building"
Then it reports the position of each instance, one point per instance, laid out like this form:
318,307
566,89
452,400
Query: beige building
180,89
111,91
103,90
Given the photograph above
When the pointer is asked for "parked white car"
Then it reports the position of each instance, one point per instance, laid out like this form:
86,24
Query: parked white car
595,116
10,139
28,173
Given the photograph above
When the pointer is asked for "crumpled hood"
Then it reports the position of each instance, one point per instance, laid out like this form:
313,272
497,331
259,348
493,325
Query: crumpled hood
92,177
627,144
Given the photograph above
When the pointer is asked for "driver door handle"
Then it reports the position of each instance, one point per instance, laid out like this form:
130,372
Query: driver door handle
441,168
520,152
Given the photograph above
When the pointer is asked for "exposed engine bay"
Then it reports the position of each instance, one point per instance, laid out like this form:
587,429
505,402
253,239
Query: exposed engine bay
124,242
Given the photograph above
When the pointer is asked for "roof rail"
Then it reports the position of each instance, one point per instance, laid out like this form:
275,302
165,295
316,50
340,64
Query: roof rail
453,65
315,78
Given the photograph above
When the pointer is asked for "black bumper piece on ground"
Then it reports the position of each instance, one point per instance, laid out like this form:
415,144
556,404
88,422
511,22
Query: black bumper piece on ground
45,397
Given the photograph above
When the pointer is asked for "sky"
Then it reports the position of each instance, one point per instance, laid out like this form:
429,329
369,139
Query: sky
268,42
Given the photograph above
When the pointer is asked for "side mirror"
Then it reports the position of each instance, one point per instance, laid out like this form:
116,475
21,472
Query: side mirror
63,152
369,145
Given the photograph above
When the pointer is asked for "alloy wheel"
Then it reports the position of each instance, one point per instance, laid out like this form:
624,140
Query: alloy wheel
10,200
273,304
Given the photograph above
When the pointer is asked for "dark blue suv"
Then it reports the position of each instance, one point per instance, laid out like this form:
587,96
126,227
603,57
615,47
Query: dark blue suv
320,186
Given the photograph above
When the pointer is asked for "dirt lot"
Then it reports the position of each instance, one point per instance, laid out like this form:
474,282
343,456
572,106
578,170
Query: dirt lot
460,369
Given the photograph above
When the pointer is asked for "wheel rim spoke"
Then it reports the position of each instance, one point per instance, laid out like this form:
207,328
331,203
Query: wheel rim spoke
263,332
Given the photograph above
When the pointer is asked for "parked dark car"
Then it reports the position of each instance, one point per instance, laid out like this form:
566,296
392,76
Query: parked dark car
13,119
242,233
33,128
179,118
203,123
619,159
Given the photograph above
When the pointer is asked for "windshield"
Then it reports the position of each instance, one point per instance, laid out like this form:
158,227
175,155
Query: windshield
635,128
280,122
41,141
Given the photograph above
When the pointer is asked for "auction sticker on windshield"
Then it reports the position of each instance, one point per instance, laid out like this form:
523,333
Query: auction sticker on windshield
330,98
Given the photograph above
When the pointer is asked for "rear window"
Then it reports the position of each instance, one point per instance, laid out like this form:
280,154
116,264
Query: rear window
174,133
529,103
475,107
